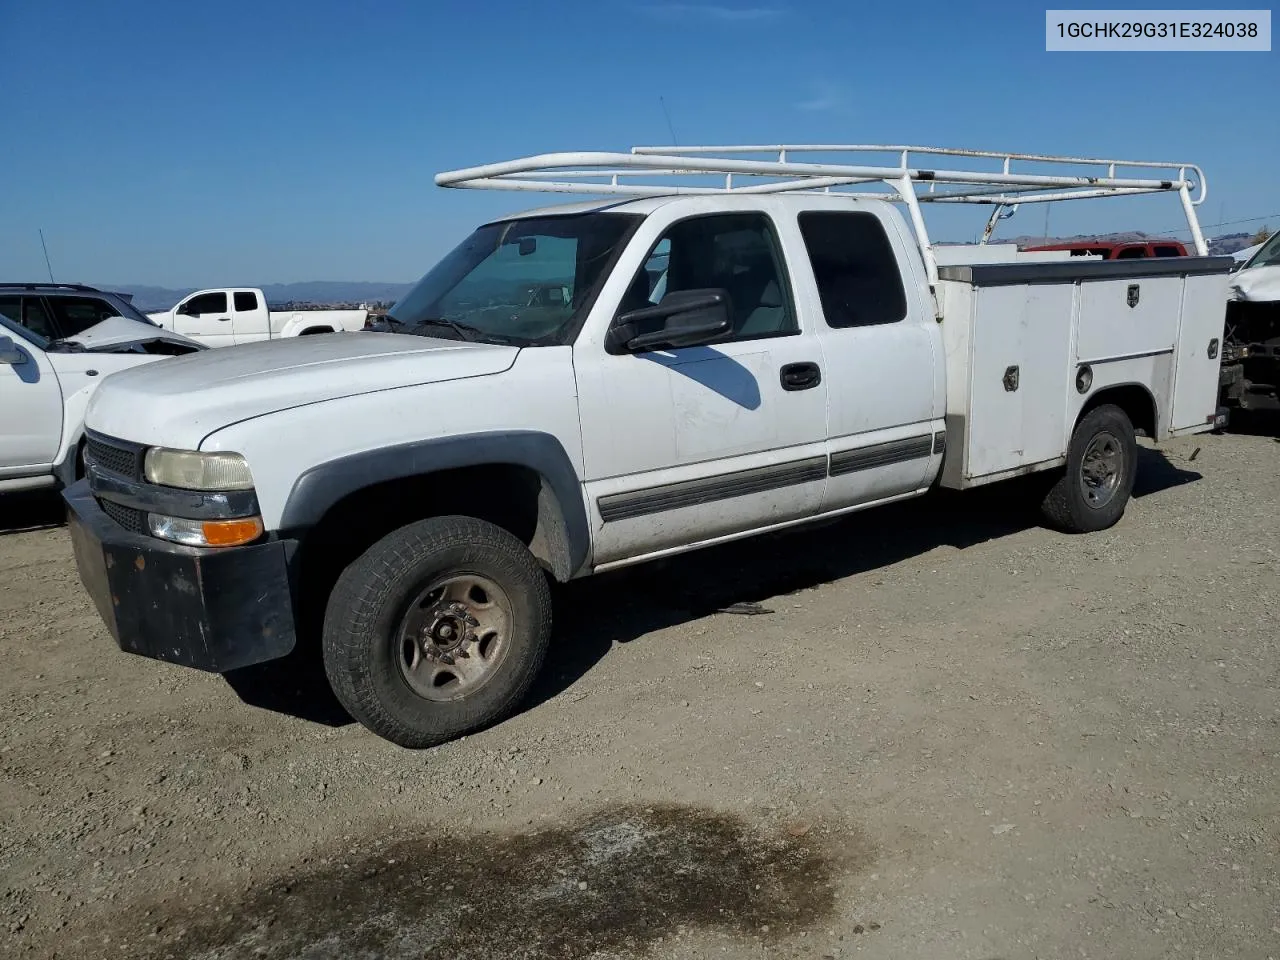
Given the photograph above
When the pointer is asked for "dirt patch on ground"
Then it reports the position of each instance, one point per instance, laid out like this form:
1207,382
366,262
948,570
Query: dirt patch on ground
945,732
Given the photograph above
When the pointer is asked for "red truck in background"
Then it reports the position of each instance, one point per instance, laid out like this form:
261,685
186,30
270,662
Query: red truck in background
1125,250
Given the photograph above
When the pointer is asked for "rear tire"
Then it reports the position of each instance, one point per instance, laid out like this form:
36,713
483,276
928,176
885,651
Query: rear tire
1102,462
437,630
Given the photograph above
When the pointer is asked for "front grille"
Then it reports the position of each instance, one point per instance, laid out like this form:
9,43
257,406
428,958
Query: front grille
135,521
114,457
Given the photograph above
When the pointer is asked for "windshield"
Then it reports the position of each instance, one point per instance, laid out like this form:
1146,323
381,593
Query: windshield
525,282
130,312
1269,255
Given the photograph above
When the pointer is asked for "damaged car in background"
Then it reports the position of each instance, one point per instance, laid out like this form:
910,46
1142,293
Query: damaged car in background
1250,378
57,344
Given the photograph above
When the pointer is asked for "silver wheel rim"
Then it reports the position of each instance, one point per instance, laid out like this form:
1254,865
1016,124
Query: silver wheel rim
453,636
1100,469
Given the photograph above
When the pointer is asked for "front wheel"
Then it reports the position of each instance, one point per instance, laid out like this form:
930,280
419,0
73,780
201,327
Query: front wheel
1102,462
438,629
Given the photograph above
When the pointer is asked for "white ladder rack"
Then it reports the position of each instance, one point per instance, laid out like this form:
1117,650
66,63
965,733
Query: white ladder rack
1039,178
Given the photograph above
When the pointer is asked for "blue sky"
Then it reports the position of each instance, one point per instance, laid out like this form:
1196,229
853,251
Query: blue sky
197,144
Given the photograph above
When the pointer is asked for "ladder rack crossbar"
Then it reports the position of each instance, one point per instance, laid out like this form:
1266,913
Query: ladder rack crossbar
580,165
905,151
1039,178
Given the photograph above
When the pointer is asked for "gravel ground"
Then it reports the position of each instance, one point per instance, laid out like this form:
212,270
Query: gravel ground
946,733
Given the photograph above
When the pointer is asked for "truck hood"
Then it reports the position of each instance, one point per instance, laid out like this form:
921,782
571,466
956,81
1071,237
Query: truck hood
115,333
1258,284
179,402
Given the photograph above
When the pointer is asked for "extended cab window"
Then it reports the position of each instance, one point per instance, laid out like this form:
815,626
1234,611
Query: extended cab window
77,314
245,301
859,282
735,252
206,303
1168,251
1131,253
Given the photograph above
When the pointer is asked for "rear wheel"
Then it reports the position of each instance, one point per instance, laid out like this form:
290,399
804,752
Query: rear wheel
436,630
1102,461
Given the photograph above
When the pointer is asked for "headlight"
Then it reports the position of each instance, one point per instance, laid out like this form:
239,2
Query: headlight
192,470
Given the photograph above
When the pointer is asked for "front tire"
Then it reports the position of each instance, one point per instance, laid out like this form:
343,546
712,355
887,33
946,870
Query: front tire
1102,462
437,630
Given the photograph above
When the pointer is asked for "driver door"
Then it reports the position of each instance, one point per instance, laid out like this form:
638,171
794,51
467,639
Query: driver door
206,317
30,396
686,445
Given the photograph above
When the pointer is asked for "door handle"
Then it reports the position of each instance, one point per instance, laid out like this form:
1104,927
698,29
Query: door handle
800,376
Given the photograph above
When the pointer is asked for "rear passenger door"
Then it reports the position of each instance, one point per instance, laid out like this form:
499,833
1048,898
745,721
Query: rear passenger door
882,350
251,320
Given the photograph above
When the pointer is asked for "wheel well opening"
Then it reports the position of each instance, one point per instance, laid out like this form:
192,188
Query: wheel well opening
1134,400
79,468
510,496
310,331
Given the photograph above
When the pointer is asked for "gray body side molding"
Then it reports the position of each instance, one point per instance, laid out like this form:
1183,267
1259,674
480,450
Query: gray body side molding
322,486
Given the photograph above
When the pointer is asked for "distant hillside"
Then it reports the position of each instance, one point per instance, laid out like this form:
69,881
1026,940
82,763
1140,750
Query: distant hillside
312,291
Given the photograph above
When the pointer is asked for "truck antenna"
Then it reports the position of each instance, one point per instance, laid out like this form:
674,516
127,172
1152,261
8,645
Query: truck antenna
671,129
43,247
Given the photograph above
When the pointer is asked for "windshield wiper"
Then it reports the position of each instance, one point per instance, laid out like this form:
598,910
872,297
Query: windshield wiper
464,330
62,345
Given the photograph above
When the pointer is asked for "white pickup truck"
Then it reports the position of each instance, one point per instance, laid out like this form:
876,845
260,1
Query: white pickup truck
730,359
232,315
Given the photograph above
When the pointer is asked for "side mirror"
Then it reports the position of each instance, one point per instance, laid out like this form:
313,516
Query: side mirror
684,318
10,355
184,310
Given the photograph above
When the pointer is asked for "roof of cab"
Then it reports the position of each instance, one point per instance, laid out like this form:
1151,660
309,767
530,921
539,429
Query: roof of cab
639,205
643,206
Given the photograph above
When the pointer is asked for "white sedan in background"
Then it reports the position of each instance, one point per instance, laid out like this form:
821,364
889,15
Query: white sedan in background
48,372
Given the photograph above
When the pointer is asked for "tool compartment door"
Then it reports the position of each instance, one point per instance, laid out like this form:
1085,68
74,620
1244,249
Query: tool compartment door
1199,351
1020,367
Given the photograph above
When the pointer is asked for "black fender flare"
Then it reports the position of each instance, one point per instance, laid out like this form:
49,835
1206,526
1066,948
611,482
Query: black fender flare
564,533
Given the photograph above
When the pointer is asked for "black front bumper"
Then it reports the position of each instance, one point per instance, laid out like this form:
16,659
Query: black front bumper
214,609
